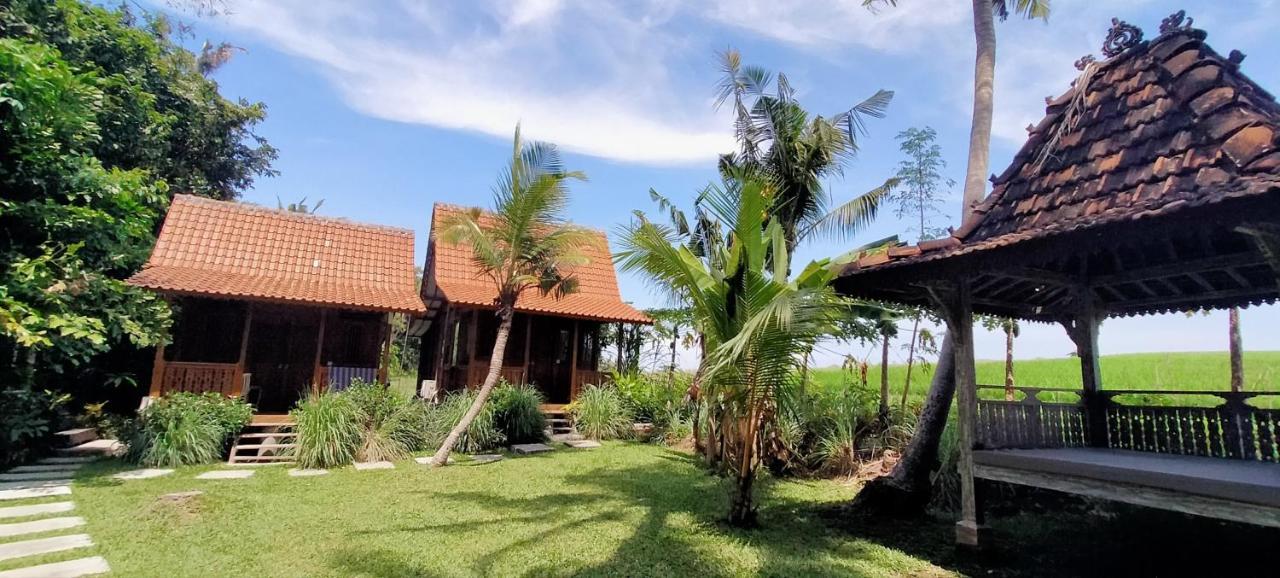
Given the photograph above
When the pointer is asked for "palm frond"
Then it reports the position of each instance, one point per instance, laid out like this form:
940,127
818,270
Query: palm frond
847,219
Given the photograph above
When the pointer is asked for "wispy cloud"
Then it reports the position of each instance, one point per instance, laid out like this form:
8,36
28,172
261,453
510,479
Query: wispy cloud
590,76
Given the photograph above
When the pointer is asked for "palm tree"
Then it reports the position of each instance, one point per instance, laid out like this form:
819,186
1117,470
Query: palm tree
524,244
907,488
1011,330
755,321
1235,349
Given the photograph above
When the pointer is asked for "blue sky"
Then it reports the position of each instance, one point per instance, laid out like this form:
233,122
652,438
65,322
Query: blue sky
383,108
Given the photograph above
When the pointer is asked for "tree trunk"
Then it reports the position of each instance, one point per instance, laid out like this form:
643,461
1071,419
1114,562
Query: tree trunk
984,80
906,491
1237,359
671,369
742,510
1008,361
505,314
884,378
911,358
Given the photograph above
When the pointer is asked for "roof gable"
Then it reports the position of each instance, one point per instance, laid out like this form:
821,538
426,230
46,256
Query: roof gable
454,274
236,250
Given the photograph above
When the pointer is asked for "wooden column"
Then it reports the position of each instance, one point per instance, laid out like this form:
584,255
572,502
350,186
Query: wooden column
316,386
528,342
157,372
244,346
1083,330
473,325
384,357
959,313
573,364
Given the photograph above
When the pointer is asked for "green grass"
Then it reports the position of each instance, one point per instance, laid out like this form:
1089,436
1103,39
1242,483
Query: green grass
1146,371
627,509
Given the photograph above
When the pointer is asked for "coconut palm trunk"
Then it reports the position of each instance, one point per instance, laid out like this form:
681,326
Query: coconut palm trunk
1008,361
884,378
1236,349
505,315
911,359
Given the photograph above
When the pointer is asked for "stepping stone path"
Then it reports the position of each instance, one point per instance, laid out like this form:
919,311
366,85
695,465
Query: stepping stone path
142,474
582,444
26,538
362,466
481,459
225,475
526,449
303,473
426,460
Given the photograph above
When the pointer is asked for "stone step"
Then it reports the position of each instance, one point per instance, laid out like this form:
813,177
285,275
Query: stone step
11,550
46,468
526,449
37,526
262,447
69,569
250,459
225,475
268,435
29,484
35,476
142,474
77,436
36,510
39,492
94,448
67,460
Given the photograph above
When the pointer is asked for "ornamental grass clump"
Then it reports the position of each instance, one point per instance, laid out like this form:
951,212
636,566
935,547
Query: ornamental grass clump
366,422
600,413
328,433
518,414
481,435
185,428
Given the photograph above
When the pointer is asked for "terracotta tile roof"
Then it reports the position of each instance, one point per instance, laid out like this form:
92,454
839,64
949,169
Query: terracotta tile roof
1166,126
240,251
597,296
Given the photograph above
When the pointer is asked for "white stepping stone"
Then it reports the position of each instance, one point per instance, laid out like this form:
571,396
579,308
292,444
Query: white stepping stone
142,474
34,476
69,569
68,460
37,526
307,472
426,460
482,459
40,492
11,550
375,466
526,449
36,510
46,468
96,448
225,475
29,484
582,444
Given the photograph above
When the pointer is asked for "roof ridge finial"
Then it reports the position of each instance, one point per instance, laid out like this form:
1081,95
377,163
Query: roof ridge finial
1175,22
1120,38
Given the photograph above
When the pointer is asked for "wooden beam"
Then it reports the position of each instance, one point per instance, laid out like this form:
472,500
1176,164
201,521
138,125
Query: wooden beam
384,361
1173,302
244,336
958,311
528,342
157,372
1211,263
573,364
1082,328
316,386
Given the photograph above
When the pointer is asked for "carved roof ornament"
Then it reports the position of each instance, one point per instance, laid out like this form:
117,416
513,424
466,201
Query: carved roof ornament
1175,21
1085,61
1120,38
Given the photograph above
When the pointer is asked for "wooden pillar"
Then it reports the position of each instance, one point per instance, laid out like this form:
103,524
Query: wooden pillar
316,385
528,342
384,350
473,326
244,346
959,314
1083,330
157,372
573,364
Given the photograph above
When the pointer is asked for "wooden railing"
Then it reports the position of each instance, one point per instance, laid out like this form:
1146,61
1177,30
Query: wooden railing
478,371
1234,429
339,378
585,377
191,377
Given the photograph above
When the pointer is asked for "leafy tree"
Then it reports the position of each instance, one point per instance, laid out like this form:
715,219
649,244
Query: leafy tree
754,320
101,118
524,245
923,188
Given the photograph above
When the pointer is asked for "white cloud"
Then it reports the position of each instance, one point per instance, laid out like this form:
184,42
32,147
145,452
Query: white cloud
590,77
827,24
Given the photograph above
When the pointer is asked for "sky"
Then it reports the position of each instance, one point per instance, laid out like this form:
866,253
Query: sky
383,108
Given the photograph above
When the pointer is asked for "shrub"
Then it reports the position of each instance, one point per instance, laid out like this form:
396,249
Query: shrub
518,413
185,428
651,397
327,431
482,435
600,413
28,419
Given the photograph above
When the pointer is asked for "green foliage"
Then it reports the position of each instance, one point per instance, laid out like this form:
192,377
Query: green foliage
328,432
517,413
600,413
28,419
185,428
482,434
923,189
99,120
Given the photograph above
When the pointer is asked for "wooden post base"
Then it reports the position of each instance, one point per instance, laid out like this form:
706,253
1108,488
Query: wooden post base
971,534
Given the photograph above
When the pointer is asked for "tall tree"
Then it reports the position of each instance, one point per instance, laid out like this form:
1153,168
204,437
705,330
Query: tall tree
525,244
756,322
1236,350
907,489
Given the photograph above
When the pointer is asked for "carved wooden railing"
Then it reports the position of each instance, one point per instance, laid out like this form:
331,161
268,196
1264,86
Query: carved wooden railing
1233,429
585,377
478,371
191,377
1031,422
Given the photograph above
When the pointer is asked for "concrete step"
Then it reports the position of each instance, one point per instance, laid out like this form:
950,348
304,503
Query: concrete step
35,476
11,550
46,468
69,569
77,436
37,526
94,448
261,447
37,492
280,434
36,510
67,460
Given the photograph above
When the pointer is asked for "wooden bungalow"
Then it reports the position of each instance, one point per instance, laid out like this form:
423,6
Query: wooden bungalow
1151,186
555,342
271,304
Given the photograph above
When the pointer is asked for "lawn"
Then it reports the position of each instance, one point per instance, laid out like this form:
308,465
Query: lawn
627,509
